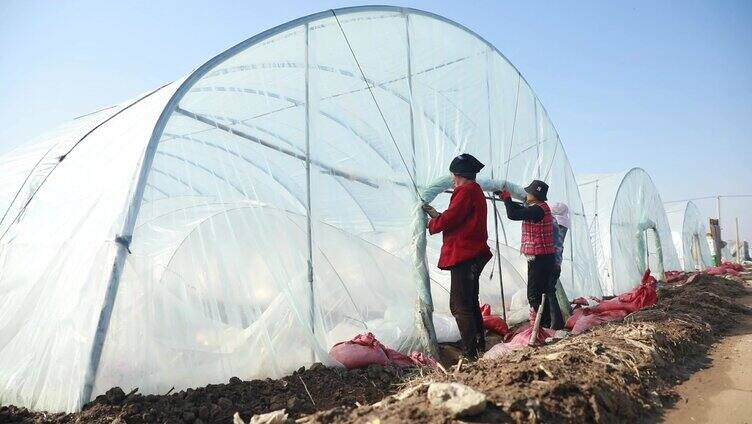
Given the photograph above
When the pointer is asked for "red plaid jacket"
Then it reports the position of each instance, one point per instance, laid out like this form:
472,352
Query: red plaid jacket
538,237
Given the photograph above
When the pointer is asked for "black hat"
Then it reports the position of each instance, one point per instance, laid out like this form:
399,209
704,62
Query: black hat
538,188
465,164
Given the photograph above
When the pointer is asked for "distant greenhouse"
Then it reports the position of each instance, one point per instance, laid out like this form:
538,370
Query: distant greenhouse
241,220
689,234
628,227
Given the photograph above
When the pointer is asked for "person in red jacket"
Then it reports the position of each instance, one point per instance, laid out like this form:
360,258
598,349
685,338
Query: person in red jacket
465,249
538,247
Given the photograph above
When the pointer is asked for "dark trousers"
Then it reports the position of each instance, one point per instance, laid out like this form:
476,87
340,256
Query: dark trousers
541,278
464,304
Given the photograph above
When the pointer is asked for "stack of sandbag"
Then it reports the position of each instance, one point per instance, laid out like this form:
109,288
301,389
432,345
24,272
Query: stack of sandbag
726,268
585,318
364,350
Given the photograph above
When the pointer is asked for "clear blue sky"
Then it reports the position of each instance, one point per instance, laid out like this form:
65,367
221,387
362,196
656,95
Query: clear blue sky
664,85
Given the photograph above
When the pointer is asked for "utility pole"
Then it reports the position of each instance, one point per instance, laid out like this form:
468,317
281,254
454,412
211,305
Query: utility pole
715,233
718,204
717,238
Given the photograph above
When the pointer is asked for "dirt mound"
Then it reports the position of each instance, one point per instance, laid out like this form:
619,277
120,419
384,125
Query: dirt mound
304,392
618,372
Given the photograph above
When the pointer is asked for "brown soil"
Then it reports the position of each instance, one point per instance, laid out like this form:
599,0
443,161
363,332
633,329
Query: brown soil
304,392
615,373
619,372
722,392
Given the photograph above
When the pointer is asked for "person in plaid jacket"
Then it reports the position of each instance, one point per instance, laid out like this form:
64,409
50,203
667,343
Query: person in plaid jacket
538,247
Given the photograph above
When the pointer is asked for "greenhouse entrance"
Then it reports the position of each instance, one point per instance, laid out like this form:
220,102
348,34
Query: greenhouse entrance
695,252
653,258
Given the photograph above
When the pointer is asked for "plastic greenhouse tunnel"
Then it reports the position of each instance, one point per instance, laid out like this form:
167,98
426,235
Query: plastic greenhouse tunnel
244,218
689,235
629,228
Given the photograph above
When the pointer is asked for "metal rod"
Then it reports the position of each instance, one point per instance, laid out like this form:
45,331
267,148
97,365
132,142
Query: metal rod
571,258
302,157
378,107
537,142
647,250
717,244
493,201
718,204
309,233
738,243
498,260
410,92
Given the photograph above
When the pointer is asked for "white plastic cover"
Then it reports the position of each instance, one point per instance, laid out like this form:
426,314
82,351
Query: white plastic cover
689,235
628,228
318,120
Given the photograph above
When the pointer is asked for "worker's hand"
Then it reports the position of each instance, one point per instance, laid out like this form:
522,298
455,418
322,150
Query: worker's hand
430,210
505,195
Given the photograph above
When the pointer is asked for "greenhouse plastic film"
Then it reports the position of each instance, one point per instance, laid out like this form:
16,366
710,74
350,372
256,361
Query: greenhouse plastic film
313,141
628,228
689,234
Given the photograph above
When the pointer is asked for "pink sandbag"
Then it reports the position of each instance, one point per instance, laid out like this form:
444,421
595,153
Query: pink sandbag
518,340
399,359
579,301
721,270
588,321
577,313
615,309
734,266
715,270
420,358
493,323
523,337
640,297
499,350
364,350
361,351
675,276
403,361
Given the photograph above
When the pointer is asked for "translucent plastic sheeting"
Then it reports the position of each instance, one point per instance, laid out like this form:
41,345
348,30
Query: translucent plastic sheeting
726,254
628,228
272,199
57,250
689,235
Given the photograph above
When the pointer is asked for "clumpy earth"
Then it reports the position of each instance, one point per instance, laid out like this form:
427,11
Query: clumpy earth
304,392
618,372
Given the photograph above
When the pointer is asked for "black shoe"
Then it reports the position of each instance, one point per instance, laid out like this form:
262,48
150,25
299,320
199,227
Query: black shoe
481,345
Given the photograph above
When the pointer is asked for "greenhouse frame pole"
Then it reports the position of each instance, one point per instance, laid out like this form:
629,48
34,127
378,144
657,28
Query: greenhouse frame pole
410,91
424,305
493,201
309,237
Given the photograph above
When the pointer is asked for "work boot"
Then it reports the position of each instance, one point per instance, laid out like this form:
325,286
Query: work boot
555,317
481,345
